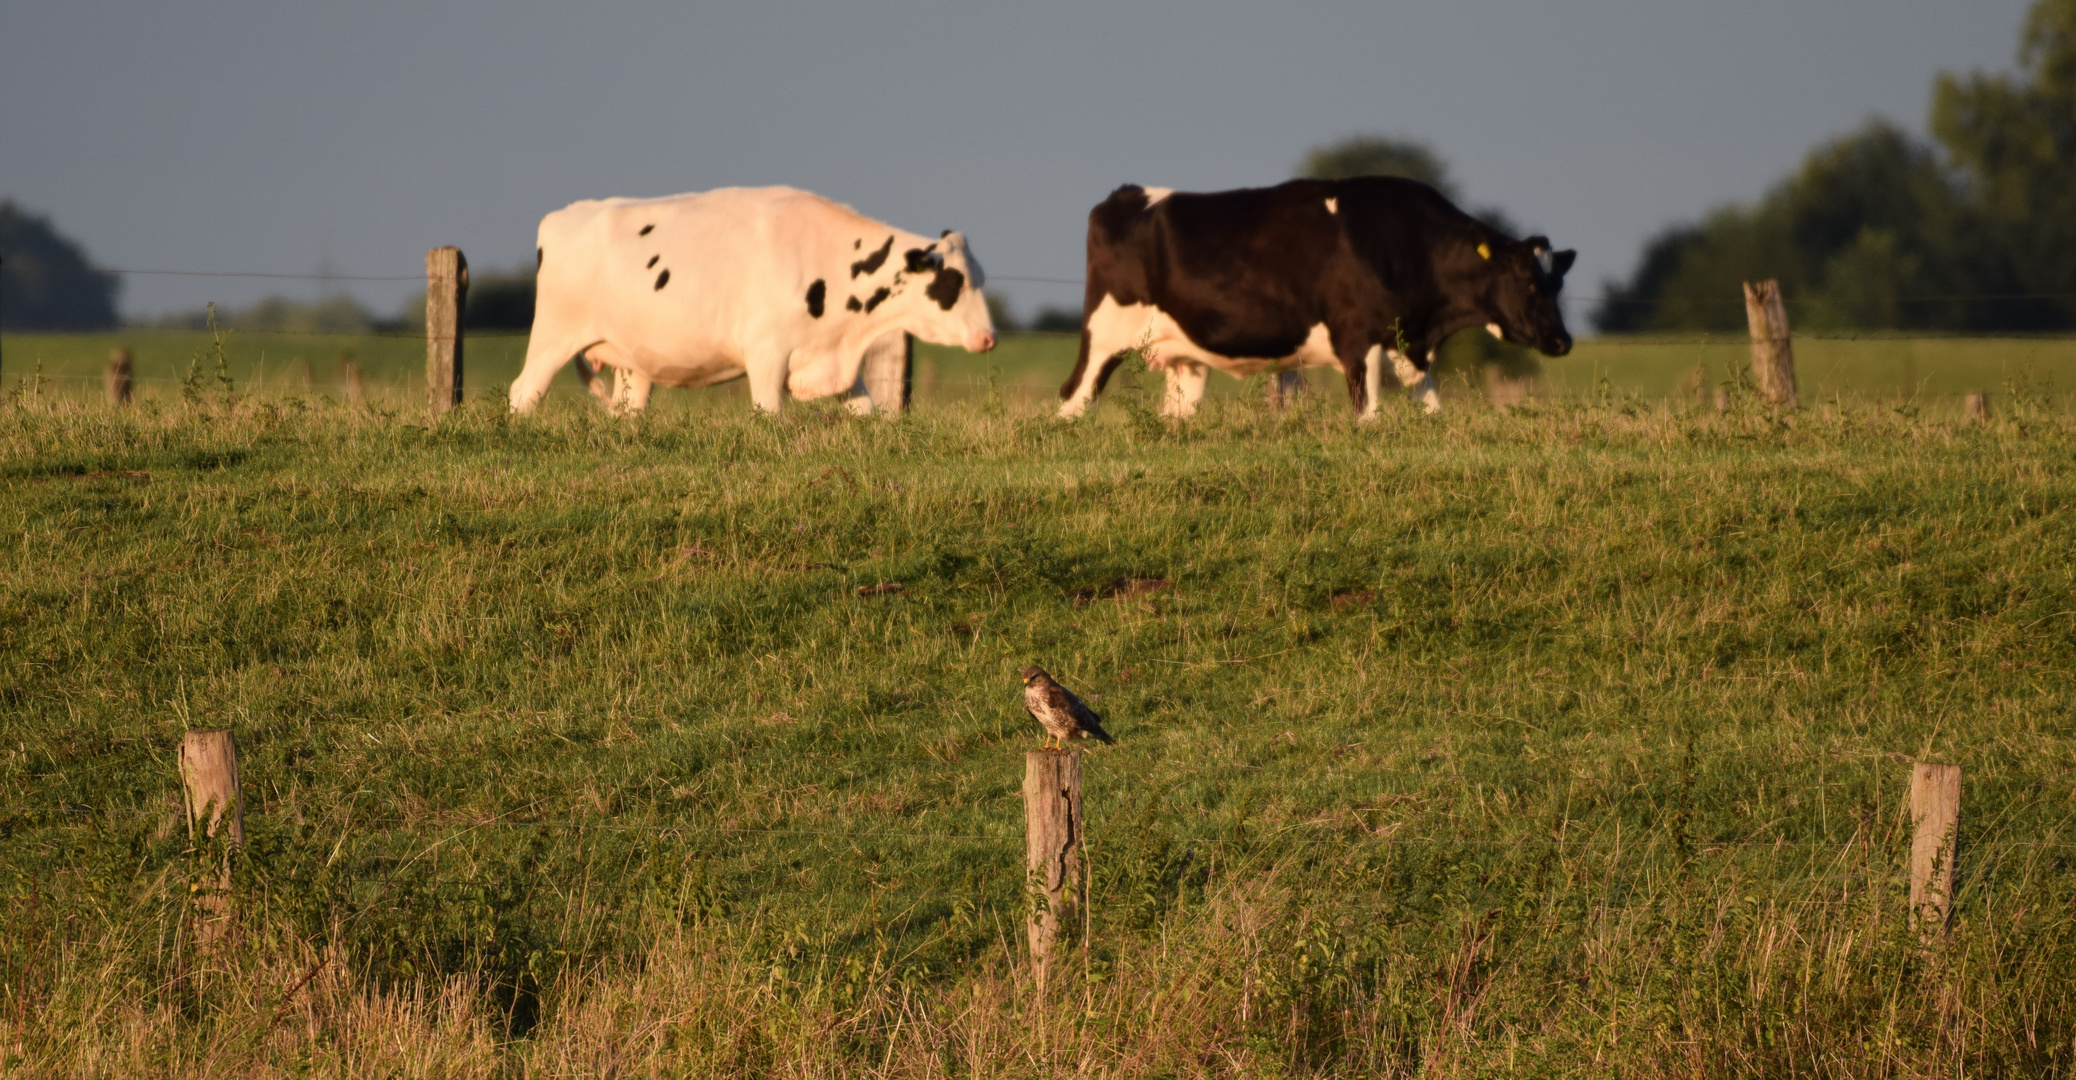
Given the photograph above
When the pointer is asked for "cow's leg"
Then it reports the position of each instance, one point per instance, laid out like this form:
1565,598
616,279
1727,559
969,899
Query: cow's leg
1186,381
1106,334
1100,357
1418,381
1364,373
1093,378
768,370
546,353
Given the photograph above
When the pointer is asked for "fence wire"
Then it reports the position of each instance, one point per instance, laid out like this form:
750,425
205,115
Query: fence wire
1603,299
1283,835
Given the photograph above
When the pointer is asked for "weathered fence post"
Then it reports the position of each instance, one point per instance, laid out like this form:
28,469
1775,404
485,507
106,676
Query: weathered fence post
115,381
1283,389
1052,851
889,372
1975,406
1722,399
309,376
1935,819
349,374
446,290
209,774
1773,355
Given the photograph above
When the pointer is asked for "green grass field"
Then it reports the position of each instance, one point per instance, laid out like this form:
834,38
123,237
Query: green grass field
1564,741
1929,374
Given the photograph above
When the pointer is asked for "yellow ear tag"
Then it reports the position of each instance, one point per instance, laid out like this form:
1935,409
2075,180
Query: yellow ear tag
1484,251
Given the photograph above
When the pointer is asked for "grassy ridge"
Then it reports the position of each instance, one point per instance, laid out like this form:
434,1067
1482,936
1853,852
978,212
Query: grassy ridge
1557,741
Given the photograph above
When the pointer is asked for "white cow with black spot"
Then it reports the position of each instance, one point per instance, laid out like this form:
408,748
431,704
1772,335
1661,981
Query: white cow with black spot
780,285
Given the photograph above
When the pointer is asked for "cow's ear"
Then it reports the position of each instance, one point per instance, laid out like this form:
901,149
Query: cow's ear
1563,263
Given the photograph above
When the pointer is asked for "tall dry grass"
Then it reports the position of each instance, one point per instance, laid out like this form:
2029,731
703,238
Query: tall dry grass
1268,975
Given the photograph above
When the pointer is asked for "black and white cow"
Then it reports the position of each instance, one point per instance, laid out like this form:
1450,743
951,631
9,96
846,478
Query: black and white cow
780,285
1335,273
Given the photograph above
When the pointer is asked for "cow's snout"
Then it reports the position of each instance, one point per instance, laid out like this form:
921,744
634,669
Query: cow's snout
980,342
1562,343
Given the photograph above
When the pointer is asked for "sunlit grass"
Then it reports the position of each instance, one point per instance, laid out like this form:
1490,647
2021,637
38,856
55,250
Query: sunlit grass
1557,741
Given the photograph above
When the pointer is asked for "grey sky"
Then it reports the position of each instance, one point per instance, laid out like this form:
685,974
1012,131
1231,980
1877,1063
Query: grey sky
289,137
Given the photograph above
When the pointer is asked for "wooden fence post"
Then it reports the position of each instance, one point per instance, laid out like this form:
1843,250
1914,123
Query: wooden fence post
1773,354
115,381
1283,389
1052,851
1975,406
1935,819
446,290
889,372
349,373
209,774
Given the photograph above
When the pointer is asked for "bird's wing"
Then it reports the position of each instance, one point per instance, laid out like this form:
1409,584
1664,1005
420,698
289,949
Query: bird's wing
1084,717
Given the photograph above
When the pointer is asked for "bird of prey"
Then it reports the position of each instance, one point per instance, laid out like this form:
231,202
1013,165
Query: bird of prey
1059,712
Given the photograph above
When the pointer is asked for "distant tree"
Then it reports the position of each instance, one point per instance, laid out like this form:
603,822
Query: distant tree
1056,320
1378,155
1000,314
46,279
339,314
2013,141
1876,231
496,300
1862,226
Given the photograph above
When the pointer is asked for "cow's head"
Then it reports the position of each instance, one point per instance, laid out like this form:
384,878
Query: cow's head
1523,281
948,308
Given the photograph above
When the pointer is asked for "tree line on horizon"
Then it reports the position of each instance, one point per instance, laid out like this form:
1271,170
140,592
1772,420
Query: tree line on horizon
1876,230
1879,231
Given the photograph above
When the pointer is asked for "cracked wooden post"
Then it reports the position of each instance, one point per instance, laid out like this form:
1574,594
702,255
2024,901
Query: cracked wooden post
1975,406
1283,389
889,372
209,774
446,290
1773,354
1935,819
1052,852
115,380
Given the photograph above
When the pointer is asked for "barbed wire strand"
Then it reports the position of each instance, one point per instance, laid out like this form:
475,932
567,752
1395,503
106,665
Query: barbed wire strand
1618,339
268,274
1281,836
1035,279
